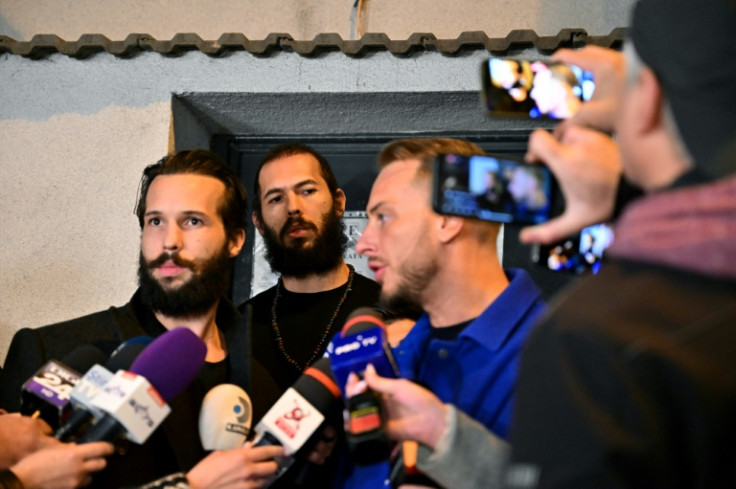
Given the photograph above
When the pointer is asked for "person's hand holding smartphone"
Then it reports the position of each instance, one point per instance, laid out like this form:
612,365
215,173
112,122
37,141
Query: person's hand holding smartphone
587,166
608,68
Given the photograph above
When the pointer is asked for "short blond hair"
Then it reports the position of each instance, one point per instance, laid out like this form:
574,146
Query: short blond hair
425,150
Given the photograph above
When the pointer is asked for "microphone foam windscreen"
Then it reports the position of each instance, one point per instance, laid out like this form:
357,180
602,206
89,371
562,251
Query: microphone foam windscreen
361,319
83,358
225,417
319,387
171,361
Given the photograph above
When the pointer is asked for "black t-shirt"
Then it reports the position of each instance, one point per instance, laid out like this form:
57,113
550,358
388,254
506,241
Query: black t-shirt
302,320
450,333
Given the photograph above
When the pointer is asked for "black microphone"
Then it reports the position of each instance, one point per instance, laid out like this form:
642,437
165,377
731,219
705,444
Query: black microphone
299,413
92,382
48,392
135,401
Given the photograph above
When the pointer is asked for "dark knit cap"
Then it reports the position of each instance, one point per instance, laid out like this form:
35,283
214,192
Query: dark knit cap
691,47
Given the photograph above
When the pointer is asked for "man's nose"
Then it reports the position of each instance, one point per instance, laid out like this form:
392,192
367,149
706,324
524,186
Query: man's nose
365,243
294,205
172,239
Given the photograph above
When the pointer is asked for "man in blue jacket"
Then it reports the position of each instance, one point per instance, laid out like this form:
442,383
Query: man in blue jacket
466,346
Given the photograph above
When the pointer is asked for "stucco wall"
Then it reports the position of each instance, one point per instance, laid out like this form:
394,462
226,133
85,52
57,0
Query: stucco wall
75,134
304,19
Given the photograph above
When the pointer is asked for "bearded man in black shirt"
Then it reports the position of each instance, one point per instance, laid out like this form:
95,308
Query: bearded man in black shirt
298,211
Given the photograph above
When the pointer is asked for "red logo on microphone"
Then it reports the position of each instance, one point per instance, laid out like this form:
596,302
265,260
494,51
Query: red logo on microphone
289,421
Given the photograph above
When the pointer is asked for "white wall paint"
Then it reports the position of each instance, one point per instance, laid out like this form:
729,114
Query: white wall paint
69,243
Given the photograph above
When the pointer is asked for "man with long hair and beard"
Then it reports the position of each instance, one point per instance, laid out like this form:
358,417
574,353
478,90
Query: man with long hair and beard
192,213
298,209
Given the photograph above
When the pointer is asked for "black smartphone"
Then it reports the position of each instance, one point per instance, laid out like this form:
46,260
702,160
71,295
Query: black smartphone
534,89
577,254
492,188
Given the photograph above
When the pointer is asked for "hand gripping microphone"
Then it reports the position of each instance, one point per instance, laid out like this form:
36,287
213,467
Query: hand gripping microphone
135,401
92,382
48,392
299,412
225,417
362,341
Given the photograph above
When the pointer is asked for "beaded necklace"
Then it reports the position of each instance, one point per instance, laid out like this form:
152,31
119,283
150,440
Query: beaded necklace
325,333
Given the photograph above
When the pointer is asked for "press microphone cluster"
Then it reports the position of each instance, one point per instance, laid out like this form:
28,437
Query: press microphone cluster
134,402
84,412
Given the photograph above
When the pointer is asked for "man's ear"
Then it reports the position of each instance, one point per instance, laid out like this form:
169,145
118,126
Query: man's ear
236,242
340,201
648,101
257,223
448,227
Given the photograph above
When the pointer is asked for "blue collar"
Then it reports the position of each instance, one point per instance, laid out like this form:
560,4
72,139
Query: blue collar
504,313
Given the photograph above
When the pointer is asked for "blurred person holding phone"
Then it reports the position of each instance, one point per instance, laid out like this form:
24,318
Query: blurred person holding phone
628,381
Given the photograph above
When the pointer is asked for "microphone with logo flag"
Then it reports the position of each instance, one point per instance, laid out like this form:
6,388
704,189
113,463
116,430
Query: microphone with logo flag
48,392
363,341
93,381
300,412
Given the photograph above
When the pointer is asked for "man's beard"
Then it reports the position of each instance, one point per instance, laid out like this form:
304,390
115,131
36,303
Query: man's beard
414,275
299,261
207,285
407,300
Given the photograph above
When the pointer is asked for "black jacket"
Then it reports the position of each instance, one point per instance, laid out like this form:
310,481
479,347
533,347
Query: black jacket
176,445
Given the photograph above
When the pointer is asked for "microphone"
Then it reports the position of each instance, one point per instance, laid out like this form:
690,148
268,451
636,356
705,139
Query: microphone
143,341
225,417
135,401
362,341
299,412
93,381
48,392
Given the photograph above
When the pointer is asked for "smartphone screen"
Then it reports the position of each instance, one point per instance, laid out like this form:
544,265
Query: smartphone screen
578,254
534,89
492,188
